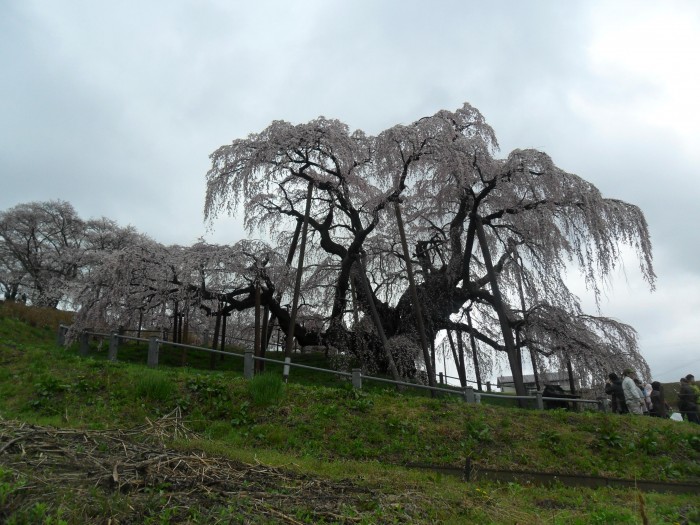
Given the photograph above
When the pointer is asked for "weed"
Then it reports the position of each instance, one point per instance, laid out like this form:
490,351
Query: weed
549,438
329,411
9,486
154,386
607,437
210,393
607,516
669,470
479,431
364,404
401,427
266,389
48,390
648,443
241,416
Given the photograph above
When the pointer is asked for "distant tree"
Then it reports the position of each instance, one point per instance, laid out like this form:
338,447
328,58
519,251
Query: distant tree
13,276
40,244
467,216
146,283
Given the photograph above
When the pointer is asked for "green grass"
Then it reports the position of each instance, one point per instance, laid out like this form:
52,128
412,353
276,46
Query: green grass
266,389
319,426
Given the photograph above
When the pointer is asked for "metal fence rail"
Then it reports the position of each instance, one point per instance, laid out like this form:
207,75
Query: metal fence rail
468,393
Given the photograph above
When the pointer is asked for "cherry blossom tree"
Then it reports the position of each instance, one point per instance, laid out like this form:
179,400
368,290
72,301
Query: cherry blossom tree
13,277
147,284
468,217
39,243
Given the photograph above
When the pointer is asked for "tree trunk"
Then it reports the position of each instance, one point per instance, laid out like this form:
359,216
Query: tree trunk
290,257
572,385
176,317
522,306
138,332
185,338
223,333
377,322
215,339
500,308
355,317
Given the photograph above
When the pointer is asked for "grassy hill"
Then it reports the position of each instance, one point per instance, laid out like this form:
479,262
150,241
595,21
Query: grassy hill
85,440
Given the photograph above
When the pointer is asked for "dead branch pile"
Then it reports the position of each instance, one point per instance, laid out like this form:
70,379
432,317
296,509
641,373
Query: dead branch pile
136,463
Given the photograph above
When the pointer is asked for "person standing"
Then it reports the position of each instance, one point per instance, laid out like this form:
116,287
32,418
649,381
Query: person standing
658,402
646,402
646,391
688,399
613,387
633,395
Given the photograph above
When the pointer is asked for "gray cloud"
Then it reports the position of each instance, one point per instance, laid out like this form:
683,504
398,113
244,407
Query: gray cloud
116,107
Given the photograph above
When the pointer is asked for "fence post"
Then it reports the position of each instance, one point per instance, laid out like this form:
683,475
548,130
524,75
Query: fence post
468,469
61,336
120,331
285,370
357,378
604,404
540,404
113,347
153,347
84,348
488,386
442,379
248,363
468,394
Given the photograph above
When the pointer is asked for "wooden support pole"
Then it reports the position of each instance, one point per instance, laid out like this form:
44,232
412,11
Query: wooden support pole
300,268
257,340
475,352
414,299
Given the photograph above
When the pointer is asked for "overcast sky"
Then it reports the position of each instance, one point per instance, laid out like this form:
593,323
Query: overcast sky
115,107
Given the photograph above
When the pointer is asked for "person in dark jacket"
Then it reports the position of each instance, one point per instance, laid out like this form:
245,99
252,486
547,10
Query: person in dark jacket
613,387
659,408
688,399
